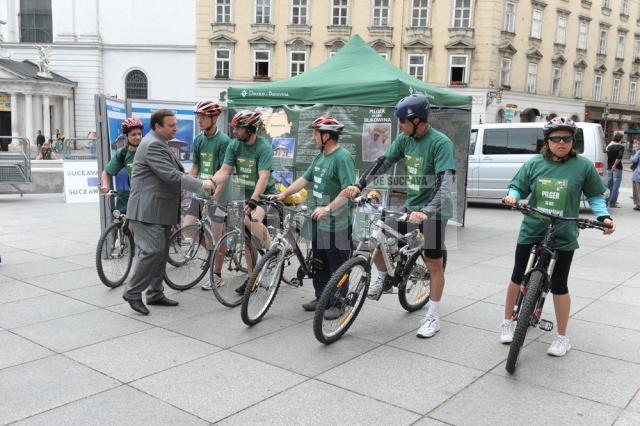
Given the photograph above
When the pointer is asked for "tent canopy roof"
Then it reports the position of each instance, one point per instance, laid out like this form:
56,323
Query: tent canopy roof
355,75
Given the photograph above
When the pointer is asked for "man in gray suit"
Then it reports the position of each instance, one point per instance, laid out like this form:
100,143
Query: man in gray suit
158,177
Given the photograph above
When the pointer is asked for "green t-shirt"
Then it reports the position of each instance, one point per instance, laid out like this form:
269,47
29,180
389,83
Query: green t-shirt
330,174
248,161
557,188
424,158
114,166
208,154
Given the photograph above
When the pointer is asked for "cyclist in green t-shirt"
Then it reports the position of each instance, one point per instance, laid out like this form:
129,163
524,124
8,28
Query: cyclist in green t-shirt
331,171
251,157
123,157
556,179
209,148
430,162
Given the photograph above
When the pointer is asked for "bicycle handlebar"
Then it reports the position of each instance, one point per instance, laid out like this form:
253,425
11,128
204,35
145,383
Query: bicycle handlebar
400,216
581,221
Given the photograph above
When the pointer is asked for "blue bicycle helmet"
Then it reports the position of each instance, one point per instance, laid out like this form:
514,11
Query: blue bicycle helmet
413,106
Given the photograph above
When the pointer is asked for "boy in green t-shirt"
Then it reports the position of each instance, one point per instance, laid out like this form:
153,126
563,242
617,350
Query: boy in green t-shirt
331,171
429,157
556,179
123,157
251,158
209,149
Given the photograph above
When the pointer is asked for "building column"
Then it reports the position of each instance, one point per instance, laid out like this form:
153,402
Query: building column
46,117
28,113
14,115
66,123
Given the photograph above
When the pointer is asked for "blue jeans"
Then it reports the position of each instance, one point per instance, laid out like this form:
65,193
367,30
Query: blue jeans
614,178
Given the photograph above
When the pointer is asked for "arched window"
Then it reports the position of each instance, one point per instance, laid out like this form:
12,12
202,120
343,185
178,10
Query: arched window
135,85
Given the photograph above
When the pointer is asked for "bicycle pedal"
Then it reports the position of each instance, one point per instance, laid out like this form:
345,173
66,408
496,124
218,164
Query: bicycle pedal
294,282
545,325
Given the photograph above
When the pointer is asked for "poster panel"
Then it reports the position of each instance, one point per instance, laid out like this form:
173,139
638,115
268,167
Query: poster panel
368,133
81,180
183,144
116,113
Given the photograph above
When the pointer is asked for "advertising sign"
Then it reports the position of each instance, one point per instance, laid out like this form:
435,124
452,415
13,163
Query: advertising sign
81,181
186,123
367,134
116,113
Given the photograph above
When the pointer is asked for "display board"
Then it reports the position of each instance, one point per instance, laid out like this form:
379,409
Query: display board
368,132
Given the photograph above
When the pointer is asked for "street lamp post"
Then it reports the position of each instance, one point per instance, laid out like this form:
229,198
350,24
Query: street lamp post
605,116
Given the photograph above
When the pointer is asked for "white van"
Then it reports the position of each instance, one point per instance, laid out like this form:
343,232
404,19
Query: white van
496,152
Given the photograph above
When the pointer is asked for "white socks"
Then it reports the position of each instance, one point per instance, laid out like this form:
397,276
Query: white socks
433,308
382,275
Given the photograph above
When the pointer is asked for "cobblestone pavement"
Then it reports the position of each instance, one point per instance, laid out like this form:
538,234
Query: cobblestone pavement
72,352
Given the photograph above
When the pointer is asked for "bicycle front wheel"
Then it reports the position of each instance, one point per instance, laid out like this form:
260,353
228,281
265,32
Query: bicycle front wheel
263,287
230,251
534,287
114,255
188,257
342,300
415,288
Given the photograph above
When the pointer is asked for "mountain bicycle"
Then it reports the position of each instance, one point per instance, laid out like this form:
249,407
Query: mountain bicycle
348,286
268,273
115,250
536,282
231,253
191,246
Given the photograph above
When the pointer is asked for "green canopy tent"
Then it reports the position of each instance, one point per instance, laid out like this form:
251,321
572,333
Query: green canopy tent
355,75
360,88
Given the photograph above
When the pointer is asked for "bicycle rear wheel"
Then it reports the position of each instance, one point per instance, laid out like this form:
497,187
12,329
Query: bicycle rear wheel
188,257
415,288
342,300
114,255
263,287
233,270
534,287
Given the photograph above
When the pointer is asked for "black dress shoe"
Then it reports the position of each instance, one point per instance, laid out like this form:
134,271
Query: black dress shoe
163,301
137,305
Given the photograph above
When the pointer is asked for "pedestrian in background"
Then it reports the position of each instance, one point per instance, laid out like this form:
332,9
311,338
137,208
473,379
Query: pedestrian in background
615,151
635,178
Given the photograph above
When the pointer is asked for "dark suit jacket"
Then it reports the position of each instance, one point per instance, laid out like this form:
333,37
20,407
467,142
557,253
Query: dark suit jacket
158,177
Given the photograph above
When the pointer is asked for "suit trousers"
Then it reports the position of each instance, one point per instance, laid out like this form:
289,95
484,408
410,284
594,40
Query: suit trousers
152,241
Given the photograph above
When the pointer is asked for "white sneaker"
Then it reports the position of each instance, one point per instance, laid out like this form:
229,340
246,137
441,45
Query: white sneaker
376,288
506,331
560,346
217,281
430,326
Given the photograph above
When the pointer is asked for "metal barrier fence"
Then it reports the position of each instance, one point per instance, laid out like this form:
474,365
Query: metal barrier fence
15,162
79,149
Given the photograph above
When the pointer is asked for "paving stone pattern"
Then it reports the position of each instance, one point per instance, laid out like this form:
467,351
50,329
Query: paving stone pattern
71,352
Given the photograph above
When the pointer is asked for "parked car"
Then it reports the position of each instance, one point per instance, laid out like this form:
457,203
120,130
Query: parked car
496,152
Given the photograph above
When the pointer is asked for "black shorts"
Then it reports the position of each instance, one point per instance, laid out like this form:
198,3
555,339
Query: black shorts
560,275
433,231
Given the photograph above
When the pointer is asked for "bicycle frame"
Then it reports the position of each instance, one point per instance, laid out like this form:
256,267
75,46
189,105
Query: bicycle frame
542,258
379,238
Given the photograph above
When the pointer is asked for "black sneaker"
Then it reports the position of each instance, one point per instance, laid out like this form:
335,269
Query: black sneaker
241,289
310,306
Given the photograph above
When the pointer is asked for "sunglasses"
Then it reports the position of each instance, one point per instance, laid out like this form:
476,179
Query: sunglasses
558,139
